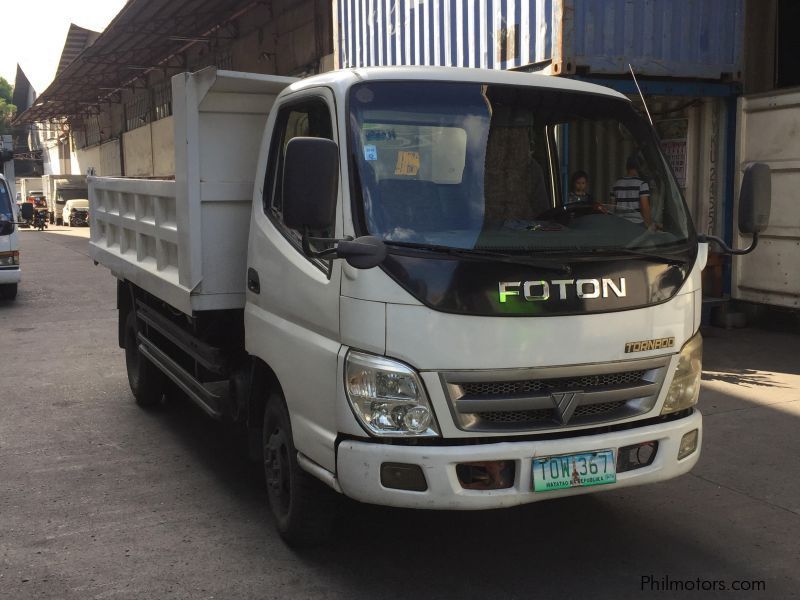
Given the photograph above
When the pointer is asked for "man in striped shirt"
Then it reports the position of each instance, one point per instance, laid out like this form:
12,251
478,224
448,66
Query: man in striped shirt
630,195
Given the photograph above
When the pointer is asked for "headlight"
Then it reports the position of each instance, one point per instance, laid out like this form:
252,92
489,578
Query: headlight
685,387
388,397
9,259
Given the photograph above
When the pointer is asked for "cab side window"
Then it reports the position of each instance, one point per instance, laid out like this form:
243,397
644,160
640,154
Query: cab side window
309,118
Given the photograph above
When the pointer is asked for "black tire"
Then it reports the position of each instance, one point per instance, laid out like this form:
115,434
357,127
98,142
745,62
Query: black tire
146,381
304,508
8,291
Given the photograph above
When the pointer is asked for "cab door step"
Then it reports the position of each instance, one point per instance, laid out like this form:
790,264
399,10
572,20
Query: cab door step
210,402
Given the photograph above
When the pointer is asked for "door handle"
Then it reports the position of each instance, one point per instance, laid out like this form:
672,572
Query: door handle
253,284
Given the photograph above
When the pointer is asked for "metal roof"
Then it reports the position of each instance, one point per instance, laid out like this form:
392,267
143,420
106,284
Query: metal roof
78,39
145,36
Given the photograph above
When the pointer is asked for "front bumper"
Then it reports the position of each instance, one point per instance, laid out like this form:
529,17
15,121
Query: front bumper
10,275
359,464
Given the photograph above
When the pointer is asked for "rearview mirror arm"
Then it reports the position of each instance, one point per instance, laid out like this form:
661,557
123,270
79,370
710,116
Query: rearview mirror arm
323,254
362,253
727,249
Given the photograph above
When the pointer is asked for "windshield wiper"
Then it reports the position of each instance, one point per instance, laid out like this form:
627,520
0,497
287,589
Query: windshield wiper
670,258
484,255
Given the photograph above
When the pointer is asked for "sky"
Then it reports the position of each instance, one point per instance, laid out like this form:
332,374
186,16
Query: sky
33,33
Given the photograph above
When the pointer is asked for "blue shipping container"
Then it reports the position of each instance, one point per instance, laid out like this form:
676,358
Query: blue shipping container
672,38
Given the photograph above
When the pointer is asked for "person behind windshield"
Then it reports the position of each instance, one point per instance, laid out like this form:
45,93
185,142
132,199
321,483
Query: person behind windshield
630,195
579,190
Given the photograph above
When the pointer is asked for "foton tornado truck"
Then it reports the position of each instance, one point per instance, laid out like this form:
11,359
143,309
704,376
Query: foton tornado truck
383,276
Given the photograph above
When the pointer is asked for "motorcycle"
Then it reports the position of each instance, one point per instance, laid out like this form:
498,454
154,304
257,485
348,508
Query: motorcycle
40,220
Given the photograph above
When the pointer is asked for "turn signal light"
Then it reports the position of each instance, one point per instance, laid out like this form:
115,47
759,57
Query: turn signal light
688,444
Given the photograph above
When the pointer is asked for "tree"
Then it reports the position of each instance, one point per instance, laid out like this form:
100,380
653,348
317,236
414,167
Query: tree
7,109
6,90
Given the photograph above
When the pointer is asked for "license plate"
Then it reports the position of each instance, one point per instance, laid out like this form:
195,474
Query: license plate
574,470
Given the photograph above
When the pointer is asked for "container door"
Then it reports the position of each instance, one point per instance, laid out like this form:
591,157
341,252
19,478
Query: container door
768,126
292,311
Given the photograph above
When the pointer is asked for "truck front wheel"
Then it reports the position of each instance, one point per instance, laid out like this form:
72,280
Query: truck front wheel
302,506
146,381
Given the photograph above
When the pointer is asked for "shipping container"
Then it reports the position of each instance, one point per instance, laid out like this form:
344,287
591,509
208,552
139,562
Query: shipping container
768,133
660,38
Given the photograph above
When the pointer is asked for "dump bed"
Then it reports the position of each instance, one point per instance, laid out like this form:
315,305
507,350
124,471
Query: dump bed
185,241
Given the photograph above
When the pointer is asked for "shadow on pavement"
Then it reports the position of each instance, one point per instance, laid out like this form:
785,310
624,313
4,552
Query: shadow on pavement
596,546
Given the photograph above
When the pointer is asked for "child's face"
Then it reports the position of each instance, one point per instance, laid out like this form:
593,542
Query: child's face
580,185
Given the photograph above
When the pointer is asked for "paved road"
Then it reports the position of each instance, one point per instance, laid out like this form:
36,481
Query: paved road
99,499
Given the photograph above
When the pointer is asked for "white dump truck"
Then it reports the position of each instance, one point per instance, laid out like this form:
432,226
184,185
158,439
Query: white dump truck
382,276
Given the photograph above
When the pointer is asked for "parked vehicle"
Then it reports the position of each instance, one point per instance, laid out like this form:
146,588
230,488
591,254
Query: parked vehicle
9,244
388,290
76,212
30,190
62,188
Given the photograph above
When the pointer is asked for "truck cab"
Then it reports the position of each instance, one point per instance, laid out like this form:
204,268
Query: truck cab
9,243
503,319
394,290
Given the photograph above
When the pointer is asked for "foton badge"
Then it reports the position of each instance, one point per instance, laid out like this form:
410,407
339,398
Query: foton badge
561,289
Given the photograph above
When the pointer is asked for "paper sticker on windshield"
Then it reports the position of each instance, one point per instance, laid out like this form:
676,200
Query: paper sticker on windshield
407,163
370,152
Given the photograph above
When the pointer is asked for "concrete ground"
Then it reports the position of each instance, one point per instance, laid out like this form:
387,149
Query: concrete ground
99,499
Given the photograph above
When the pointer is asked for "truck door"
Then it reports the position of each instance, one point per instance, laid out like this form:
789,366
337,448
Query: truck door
292,311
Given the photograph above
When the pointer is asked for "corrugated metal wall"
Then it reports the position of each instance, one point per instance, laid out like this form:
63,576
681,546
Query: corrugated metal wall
672,38
493,34
678,38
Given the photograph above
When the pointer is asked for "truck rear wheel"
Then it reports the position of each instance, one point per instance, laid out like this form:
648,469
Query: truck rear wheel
302,506
146,381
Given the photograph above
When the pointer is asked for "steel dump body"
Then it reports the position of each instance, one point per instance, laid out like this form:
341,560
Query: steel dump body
185,241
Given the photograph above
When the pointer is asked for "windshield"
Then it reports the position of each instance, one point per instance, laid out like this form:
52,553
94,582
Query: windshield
63,195
5,203
516,169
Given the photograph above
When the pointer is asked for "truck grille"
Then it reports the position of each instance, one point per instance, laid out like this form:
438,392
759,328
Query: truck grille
537,385
533,399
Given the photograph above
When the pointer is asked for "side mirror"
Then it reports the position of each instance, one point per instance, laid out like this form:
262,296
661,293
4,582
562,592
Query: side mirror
26,211
310,183
755,199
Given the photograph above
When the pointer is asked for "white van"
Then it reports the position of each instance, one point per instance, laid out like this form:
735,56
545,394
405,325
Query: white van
9,244
76,212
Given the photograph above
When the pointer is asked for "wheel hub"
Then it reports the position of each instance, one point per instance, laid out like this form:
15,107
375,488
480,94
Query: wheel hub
276,463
